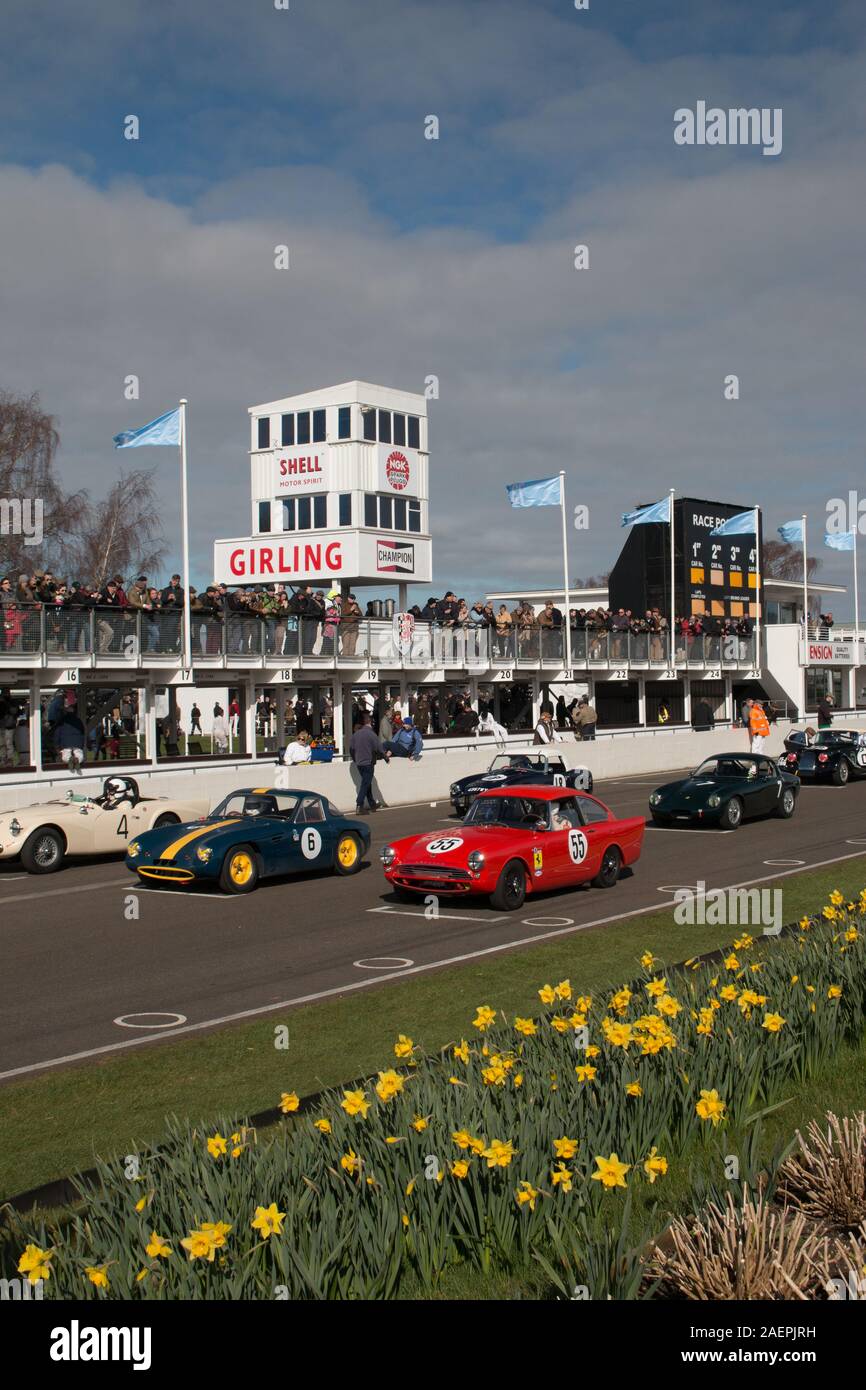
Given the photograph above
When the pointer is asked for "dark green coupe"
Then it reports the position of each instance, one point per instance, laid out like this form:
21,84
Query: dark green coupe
725,790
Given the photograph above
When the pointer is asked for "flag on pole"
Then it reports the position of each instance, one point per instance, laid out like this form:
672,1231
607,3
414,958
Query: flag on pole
743,524
843,540
659,511
164,430
791,532
543,492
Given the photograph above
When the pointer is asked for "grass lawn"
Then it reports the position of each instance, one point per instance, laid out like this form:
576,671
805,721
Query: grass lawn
55,1124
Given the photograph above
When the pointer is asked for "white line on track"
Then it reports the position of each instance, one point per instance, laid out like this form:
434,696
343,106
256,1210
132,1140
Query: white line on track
398,975
179,893
687,830
62,892
440,916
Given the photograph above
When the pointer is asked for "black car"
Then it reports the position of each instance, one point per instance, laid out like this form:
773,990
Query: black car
830,755
725,790
518,769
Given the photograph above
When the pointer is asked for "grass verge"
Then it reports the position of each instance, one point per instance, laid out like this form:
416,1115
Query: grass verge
57,1123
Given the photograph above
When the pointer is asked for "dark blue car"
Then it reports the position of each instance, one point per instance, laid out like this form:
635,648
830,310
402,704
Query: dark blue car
257,833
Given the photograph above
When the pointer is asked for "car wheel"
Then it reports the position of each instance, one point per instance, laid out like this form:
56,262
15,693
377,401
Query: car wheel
611,867
732,814
509,895
240,872
167,819
841,774
43,852
347,859
787,803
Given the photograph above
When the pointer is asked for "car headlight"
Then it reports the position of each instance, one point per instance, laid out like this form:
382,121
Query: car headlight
133,849
475,862
14,826
388,855
455,790
204,853
714,800
655,798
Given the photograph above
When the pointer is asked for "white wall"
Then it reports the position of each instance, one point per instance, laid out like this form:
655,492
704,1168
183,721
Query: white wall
401,782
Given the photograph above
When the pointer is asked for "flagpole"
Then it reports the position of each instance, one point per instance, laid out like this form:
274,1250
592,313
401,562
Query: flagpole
184,507
805,587
757,594
673,582
566,617
856,598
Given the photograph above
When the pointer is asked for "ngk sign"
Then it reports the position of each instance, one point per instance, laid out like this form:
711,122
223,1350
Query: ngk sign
829,654
299,470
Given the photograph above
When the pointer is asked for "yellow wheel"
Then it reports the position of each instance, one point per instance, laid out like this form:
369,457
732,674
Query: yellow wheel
240,872
348,856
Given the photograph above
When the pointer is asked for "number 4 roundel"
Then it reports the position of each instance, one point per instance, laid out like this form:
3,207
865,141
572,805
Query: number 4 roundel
577,846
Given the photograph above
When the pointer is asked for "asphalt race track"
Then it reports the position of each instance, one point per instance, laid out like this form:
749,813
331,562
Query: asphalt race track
74,964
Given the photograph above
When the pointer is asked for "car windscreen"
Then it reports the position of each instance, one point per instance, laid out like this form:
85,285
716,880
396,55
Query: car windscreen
250,804
506,810
725,767
506,761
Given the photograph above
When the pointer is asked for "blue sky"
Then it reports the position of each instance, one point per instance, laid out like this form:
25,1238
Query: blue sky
451,257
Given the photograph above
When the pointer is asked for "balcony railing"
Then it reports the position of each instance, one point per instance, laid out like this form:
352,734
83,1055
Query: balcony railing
112,637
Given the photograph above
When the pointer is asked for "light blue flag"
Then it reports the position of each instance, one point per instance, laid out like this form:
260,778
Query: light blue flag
164,430
840,540
543,492
659,511
791,531
743,524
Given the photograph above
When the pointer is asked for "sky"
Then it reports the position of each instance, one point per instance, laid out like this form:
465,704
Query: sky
452,257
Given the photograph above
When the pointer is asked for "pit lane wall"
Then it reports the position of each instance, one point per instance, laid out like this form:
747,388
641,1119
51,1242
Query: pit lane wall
658,754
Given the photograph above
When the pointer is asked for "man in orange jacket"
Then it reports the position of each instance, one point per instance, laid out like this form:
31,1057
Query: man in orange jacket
759,727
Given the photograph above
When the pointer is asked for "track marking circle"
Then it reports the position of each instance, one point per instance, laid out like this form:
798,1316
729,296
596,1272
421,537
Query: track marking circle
548,921
383,963
783,862
122,1020
679,888
856,842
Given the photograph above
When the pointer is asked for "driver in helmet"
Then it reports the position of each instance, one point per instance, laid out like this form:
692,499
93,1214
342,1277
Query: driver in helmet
117,791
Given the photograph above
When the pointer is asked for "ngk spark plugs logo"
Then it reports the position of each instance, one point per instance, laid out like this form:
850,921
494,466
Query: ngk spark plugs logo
395,557
397,470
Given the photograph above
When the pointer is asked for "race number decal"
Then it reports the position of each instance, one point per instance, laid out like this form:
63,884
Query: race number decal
311,843
122,827
577,846
861,757
558,779
443,845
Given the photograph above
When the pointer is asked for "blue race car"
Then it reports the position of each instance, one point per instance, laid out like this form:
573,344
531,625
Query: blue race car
253,834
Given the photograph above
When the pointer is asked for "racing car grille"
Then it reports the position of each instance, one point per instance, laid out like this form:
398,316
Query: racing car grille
426,876
170,873
434,871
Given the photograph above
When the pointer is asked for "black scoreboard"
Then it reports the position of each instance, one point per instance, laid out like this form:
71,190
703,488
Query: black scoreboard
712,574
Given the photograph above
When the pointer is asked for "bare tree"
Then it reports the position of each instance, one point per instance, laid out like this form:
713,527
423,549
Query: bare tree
28,444
592,581
123,533
784,561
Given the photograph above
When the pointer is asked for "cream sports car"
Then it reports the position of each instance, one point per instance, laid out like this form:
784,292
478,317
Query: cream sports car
43,835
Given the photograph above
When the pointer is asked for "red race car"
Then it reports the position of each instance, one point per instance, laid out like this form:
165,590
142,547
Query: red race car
516,841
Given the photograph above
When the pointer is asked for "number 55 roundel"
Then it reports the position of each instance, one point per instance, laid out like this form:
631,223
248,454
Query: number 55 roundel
577,846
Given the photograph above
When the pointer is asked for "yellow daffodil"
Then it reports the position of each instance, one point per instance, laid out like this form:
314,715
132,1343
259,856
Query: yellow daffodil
499,1153
459,1168
585,1073
527,1195
35,1263
773,1023
634,1088
217,1146
563,989
390,1084
404,1046
98,1275
322,1125
268,1221
657,987
731,962
647,960
655,1166
561,1176
710,1107
834,992
419,1124
484,1016
547,994
611,1173
289,1102
355,1103
565,1148
526,1026
350,1161
157,1248
728,993
461,1052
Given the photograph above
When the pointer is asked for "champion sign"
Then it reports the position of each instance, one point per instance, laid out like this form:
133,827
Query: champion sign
395,557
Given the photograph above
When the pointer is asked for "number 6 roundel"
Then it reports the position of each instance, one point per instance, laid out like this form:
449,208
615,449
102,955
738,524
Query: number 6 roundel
577,846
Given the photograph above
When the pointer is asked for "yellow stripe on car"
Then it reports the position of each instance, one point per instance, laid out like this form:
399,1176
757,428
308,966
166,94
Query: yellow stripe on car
177,845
